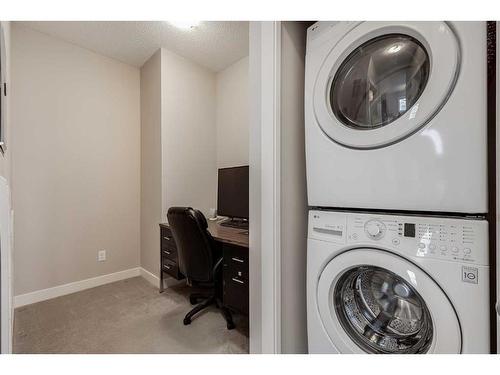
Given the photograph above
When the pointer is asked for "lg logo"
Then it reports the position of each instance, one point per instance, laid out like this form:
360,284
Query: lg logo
470,275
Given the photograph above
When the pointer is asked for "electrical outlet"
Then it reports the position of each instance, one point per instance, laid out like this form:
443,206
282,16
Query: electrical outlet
101,255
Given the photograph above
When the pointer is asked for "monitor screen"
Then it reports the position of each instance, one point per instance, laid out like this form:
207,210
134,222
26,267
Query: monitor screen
232,192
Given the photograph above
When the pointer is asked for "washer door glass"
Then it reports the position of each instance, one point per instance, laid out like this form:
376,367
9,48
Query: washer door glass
379,81
381,312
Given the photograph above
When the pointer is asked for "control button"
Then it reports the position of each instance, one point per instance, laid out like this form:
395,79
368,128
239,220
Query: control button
467,251
443,248
421,245
395,241
454,249
432,246
375,229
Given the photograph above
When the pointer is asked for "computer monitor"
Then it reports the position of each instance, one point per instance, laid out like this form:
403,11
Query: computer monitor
232,193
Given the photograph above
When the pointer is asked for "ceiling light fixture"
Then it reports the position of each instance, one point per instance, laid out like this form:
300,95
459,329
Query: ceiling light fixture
185,25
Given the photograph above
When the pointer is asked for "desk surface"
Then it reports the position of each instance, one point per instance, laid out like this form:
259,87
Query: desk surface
230,235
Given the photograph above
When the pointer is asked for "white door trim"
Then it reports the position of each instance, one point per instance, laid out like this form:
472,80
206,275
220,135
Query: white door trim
6,238
265,185
271,186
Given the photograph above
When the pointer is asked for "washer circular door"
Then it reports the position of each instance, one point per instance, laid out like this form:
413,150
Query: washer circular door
373,301
383,81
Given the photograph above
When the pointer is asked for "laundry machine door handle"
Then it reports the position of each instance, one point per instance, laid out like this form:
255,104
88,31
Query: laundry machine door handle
498,308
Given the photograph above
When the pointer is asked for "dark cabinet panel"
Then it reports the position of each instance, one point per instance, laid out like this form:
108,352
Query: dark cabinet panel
167,240
171,267
234,272
169,257
235,276
169,254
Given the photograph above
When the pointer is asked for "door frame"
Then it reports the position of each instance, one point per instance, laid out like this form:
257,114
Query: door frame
6,239
495,205
6,219
265,184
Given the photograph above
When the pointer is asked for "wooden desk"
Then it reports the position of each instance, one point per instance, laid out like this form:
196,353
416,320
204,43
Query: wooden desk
228,235
234,246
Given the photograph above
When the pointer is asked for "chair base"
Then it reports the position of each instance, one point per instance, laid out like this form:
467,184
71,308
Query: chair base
207,301
195,297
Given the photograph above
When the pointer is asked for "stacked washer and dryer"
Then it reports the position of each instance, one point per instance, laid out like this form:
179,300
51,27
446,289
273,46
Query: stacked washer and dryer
396,151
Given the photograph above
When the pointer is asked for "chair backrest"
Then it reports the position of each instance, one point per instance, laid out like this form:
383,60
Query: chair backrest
194,243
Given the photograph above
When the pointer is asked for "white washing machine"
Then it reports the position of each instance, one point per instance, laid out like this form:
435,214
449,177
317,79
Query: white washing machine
397,284
395,115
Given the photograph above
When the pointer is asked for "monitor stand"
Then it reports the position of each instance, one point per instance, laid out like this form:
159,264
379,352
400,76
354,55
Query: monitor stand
235,223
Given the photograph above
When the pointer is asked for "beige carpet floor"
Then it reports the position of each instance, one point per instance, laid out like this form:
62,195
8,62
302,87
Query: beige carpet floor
128,316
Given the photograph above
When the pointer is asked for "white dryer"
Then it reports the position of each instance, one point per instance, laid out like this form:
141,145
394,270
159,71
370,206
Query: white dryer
397,284
395,115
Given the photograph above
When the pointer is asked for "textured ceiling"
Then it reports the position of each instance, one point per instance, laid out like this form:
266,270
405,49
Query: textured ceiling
212,44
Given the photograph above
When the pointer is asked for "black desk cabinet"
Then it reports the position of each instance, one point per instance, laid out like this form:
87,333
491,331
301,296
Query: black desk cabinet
235,276
234,270
169,258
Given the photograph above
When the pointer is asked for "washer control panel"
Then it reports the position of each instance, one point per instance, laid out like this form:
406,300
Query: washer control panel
461,240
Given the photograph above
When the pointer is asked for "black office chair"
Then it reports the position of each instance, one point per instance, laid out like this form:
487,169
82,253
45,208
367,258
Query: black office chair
199,260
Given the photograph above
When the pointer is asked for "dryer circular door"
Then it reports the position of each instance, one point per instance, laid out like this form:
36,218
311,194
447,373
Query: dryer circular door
373,301
383,81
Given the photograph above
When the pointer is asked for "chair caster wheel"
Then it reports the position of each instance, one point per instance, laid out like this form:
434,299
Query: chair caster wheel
187,321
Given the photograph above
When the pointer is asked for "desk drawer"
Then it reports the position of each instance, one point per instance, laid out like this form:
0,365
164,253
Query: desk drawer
236,293
167,239
240,273
236,261
235,276
169,253
170,267
235,255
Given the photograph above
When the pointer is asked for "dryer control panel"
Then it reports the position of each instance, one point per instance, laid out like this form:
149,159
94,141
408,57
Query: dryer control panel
460,240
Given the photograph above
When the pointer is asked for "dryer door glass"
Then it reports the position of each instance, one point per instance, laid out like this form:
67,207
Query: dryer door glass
379,81
381,312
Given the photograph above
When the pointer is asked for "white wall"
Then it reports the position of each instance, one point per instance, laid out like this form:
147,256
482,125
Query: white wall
76,162
151,163
232,115
188,134
293,190
179,154
202,119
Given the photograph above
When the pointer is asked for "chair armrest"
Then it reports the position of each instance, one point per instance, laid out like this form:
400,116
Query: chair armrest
218,266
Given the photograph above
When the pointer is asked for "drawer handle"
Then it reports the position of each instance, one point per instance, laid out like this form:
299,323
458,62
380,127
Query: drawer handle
167,238
238,260
167,267
238,281
166,252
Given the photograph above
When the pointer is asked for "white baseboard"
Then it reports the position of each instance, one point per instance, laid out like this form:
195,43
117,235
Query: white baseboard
155,280
61,290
